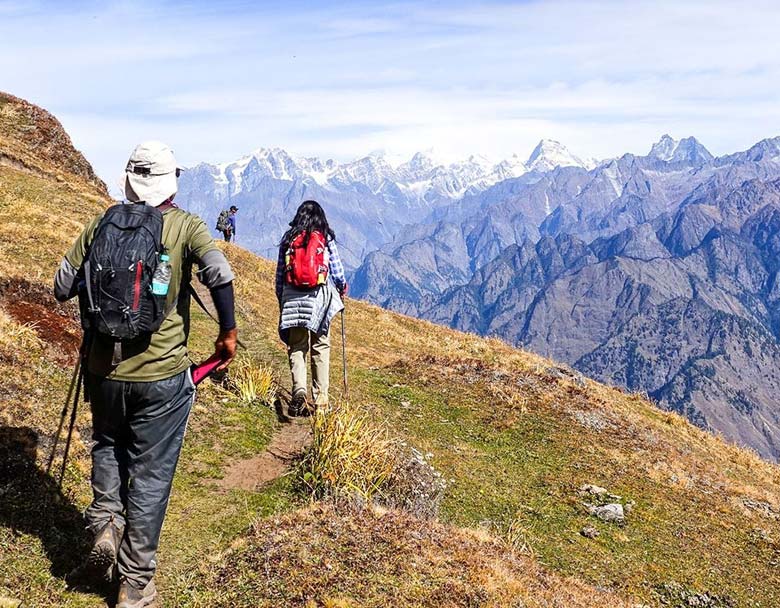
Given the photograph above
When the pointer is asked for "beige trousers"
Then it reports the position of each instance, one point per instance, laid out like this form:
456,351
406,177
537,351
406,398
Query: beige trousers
300,341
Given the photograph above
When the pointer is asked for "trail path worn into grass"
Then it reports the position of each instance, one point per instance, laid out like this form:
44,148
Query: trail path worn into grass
287,444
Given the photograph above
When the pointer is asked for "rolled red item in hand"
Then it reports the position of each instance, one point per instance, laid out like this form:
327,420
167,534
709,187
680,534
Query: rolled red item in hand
202,370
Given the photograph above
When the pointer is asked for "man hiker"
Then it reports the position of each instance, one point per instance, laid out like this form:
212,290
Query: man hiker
139,387
310,283
226,223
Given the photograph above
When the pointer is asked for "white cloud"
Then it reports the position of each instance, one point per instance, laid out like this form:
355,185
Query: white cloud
338,81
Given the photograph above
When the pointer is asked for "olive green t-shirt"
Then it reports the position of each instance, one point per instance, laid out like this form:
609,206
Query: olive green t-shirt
164,353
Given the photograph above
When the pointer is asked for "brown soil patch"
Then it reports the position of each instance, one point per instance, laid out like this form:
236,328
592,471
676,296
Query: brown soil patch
55,323
287,444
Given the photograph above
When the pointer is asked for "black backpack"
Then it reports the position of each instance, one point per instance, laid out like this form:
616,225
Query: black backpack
117,301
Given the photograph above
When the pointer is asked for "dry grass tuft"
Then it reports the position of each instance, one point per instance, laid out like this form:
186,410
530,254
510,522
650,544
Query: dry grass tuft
353,458
517,538
17,341
252,382
349,456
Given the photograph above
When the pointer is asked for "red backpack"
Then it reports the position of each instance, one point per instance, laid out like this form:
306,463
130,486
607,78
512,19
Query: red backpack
306,263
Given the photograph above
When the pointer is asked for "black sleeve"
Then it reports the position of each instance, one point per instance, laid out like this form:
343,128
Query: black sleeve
225,305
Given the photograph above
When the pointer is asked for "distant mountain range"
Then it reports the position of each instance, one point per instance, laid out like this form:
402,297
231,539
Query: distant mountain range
656,272
369,201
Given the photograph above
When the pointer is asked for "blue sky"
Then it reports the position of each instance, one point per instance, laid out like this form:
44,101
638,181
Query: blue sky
339,80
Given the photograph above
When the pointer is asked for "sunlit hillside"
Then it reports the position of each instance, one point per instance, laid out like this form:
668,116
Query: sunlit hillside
529,450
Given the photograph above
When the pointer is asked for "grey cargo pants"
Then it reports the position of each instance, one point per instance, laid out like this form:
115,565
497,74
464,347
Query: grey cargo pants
138,428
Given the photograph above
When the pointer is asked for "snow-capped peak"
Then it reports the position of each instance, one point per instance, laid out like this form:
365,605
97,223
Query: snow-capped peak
509,168
370,170
664,148
687,150
426,175
549,154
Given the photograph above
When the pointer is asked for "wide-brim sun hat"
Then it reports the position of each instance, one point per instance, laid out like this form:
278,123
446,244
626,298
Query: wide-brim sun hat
150,175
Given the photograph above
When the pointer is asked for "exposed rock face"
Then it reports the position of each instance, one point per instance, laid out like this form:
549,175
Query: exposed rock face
658,273
687,150
419,271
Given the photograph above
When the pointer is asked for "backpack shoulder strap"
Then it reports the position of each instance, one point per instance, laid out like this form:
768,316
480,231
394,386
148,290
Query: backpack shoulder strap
88,284
200,302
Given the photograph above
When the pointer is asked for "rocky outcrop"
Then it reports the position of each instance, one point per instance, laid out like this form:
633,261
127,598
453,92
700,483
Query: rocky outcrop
32,139
682,303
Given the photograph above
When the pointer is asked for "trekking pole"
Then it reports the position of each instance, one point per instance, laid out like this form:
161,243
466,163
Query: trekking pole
70,429
76,373
344,354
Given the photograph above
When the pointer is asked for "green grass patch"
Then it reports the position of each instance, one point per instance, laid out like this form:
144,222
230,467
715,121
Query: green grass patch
522,479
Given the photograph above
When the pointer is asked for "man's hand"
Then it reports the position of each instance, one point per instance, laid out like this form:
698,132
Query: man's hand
225,347
343,291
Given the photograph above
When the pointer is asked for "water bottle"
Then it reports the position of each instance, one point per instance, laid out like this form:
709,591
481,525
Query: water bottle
162,276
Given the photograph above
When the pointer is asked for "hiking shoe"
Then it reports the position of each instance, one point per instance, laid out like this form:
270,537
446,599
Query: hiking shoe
100,563
298,405
131,596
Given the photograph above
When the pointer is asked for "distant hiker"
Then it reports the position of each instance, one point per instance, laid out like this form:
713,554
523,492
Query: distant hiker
226,223
131,268
310,283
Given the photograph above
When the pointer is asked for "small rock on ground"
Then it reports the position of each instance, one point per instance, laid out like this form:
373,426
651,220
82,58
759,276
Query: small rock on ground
611,513
589,532
590,488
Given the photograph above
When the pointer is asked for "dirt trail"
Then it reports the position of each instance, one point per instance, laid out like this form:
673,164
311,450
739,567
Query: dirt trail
287,444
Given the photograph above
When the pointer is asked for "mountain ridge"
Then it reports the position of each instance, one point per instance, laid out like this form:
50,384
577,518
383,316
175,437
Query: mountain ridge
412,232
672,219
454,178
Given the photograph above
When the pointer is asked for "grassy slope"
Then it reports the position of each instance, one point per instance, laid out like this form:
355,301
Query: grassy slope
502,425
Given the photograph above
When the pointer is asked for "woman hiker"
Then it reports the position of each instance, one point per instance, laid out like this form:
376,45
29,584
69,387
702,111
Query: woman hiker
310,283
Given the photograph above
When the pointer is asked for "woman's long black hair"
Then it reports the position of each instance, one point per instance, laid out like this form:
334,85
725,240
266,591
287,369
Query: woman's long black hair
310,217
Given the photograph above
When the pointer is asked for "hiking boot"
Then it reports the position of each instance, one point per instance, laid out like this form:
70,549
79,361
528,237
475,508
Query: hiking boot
100,563
131,596
298,405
